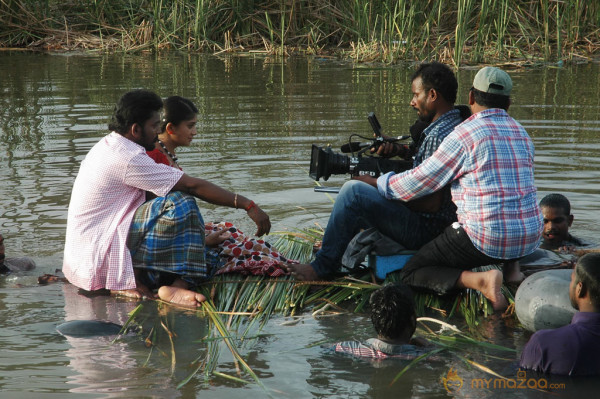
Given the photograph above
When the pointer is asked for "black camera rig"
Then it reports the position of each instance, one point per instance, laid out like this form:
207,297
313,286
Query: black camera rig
324,162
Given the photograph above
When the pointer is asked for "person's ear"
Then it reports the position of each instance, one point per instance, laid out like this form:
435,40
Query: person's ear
169,128
432,94
471,97
570,218
580,290
136,130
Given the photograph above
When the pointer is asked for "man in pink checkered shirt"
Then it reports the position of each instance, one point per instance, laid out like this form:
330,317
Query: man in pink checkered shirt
110,189
488,160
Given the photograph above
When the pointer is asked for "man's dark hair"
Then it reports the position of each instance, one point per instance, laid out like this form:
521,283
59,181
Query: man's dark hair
136,106
393,311
440,77
176,110
490,100
556,201
587,271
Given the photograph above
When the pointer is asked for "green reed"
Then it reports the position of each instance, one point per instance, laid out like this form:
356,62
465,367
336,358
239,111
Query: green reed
454,31
483,29
465,8
501,24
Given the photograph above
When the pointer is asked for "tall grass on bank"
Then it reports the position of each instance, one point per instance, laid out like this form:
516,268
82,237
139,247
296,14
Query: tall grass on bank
457,31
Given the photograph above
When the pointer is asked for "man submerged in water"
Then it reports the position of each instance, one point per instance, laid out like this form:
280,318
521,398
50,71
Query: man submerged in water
556,210
395,321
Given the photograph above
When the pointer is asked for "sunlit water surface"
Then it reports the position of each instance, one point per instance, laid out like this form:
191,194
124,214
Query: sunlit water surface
258,119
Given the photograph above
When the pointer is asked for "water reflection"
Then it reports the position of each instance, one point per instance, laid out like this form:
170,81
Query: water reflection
125,367
258,119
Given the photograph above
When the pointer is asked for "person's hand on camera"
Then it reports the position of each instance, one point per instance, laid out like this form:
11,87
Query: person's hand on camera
391,149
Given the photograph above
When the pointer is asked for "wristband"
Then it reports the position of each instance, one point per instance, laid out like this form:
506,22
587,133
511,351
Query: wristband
235,201
250,206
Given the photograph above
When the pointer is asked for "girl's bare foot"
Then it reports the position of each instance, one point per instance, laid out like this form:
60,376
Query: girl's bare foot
136,293
180,296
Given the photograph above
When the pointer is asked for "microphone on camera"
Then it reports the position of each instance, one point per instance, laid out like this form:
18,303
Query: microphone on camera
355,146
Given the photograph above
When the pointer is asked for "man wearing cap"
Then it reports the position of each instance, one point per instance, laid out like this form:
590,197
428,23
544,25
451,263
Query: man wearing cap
488,160
360,206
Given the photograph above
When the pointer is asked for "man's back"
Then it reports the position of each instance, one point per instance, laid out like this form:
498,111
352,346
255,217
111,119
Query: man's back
495,191
489,160
570,350
108,189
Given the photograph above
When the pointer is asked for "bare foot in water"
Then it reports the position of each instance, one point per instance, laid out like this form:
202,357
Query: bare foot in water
139,292
488,283
492,289
302,272
180,296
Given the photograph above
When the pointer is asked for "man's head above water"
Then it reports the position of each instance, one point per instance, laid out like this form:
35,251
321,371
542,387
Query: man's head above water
393,313
556,210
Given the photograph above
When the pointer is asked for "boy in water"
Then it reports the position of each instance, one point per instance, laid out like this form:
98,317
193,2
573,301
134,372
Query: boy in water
394,318
556,210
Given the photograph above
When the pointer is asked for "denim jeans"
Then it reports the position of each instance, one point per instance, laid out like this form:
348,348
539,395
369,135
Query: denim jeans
360,206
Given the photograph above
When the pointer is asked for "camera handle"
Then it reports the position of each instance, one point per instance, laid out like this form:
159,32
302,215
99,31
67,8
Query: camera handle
376,129
374,124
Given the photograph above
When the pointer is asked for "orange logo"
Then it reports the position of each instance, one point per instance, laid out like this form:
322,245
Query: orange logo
452,381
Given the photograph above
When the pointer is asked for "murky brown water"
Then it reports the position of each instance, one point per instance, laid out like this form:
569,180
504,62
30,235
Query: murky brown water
258,120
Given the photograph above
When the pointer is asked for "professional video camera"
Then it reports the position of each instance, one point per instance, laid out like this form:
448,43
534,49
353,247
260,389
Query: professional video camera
324,162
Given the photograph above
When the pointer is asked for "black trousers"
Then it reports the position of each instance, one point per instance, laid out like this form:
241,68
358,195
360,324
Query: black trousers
438,264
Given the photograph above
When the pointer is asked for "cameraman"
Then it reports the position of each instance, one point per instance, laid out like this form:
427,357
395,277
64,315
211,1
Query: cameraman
489,162
360,205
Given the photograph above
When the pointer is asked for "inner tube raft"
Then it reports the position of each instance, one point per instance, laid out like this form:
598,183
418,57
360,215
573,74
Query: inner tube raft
542,300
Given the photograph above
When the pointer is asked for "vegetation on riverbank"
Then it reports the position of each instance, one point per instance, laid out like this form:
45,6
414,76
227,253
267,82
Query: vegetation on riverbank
452,31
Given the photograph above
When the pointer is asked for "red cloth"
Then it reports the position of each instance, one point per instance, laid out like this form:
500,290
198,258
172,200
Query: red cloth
245,255
159,157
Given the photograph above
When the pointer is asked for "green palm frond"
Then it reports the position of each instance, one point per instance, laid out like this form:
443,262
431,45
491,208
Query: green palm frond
262,297
239,305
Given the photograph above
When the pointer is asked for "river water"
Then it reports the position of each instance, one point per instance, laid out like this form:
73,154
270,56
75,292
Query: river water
258,119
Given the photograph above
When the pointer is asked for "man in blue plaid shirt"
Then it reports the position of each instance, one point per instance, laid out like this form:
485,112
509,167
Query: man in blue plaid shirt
360,206
489,162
